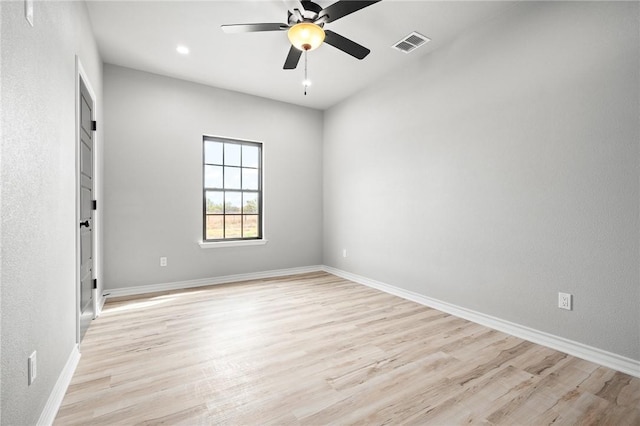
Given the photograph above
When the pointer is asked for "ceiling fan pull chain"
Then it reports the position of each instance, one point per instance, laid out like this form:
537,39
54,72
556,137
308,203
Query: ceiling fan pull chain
306,80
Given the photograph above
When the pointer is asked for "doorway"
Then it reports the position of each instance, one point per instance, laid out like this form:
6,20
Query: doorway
86,282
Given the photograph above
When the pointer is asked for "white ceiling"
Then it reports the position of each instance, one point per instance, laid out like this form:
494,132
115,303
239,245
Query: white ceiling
144,34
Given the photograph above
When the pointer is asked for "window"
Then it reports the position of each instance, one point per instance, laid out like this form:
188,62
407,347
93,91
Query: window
232,189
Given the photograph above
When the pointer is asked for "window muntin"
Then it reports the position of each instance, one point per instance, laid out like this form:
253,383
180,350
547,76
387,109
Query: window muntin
232,189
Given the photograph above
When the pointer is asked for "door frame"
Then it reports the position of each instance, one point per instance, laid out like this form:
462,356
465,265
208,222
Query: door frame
96,219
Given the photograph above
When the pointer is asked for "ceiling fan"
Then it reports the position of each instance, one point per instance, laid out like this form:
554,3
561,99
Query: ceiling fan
305,26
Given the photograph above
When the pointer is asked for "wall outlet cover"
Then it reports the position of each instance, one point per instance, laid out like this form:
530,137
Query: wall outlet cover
565,301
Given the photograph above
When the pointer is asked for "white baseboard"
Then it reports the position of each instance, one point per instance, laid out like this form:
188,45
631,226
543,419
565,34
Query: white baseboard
56,396
589,353
179,285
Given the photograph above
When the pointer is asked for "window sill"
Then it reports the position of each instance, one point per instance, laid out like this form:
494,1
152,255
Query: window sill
224,244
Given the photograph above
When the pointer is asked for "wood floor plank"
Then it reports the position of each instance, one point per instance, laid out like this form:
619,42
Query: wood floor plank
317,349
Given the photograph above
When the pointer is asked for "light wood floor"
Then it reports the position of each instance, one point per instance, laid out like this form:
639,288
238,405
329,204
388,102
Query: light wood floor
316,349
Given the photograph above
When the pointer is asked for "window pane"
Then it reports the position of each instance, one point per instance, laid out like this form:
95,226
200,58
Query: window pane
214,227
232,178
233,226
231,154
232,189
249,178
250,156
250,203
213,152
233,202
213,177
215,202
250,226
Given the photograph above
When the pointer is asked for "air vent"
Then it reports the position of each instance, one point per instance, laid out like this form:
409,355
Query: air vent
411,42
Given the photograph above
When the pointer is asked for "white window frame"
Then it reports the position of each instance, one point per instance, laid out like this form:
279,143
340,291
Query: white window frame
236,242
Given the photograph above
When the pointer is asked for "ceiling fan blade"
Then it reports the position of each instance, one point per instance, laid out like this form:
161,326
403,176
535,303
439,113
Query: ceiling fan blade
343,8
346,45
292,59
252,28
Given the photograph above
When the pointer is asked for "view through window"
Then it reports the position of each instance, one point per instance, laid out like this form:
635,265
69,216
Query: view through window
232,189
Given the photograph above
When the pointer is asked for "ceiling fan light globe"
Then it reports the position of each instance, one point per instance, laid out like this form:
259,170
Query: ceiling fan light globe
306,36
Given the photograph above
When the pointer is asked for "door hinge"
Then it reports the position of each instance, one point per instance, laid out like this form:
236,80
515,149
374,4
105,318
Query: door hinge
94,125
95,283
94,205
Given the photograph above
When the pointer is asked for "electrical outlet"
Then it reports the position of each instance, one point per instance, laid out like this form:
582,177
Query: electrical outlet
344,252
565,301
163,261
32,369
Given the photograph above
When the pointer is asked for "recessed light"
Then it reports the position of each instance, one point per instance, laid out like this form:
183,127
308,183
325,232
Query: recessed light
183,50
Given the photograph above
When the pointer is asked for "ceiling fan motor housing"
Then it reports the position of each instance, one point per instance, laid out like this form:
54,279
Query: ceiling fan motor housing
309,14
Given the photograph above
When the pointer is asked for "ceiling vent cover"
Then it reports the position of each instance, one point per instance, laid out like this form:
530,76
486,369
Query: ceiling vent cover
411,42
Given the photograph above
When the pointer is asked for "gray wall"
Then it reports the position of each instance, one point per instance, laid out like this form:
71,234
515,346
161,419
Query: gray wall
153,179
1,143
38,195
502,169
